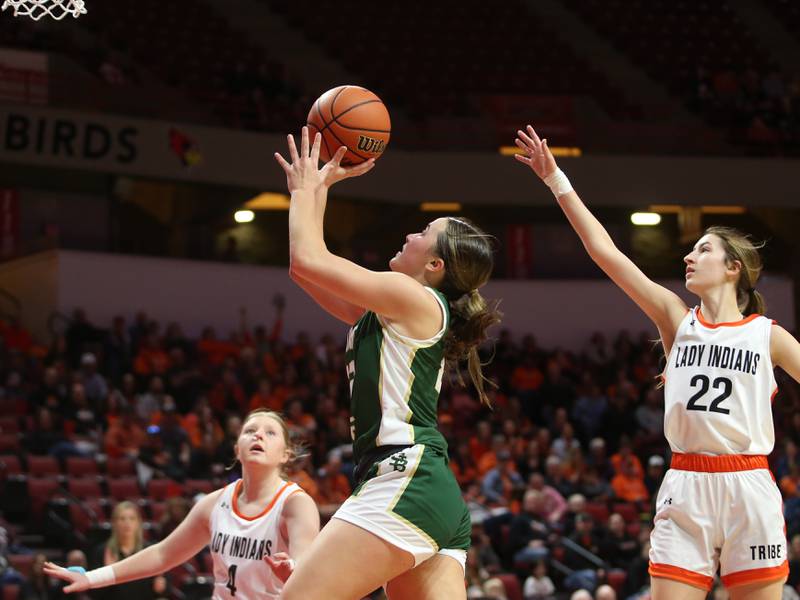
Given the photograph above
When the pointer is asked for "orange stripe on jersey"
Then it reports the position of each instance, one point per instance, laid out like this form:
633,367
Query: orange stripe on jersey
272,502
731,324
756,575
775,393
682,575
719,463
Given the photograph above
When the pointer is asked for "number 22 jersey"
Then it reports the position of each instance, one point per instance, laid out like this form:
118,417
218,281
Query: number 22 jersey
719,386
239,544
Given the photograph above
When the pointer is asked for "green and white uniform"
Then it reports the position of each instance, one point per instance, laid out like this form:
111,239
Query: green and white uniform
409,497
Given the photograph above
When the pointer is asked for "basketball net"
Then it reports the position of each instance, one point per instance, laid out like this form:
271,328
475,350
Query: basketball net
36,9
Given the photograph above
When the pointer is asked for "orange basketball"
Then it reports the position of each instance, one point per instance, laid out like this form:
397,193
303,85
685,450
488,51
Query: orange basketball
350,116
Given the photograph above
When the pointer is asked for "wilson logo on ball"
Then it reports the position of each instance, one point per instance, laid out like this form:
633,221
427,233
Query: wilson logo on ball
368,144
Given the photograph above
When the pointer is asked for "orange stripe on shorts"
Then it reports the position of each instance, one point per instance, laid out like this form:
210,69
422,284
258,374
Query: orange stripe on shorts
720,463
683,575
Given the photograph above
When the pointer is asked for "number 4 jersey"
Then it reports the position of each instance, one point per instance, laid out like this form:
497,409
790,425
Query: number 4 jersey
240,542
719,387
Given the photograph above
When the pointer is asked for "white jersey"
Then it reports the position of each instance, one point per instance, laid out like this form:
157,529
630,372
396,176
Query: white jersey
239,544
719,387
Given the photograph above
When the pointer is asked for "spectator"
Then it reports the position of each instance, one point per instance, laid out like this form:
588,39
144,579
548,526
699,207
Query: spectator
176,509
554,505
94,383
605,592
38,586
538,586
566,442
127,538
617,547
654,475
628,485
124,436
555,477
528,532
495,589
501,481
586,570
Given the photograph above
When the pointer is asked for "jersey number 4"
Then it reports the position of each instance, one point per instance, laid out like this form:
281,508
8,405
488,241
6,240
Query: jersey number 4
720,383
231,585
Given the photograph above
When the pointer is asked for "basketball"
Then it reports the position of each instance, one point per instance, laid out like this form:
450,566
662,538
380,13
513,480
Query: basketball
350,116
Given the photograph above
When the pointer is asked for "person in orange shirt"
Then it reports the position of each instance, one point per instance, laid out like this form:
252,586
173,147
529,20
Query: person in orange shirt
334,487
463,466
628,485
201,421
527,377
790,484
124,436
264,397
151,358
625,454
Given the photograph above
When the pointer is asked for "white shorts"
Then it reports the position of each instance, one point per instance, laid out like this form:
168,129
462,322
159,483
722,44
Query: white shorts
719,512
411,500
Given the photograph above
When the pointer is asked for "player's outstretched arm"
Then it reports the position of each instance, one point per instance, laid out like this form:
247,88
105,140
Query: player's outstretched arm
785,351
394,295
183,543
300,525
664,307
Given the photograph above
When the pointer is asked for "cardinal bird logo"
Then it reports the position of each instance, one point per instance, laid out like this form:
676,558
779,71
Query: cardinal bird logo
184,148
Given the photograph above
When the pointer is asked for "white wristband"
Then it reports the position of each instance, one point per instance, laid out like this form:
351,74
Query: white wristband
101,577
558,183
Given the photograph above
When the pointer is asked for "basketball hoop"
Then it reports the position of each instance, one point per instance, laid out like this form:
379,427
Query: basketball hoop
36,9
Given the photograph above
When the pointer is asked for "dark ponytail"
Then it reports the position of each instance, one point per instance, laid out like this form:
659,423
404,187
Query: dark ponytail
468,260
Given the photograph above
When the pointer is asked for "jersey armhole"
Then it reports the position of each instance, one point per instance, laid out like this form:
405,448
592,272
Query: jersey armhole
413,342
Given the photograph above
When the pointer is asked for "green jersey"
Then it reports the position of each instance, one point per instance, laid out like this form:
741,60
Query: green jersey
394,384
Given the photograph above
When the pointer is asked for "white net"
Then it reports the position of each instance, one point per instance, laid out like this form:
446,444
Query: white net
36,9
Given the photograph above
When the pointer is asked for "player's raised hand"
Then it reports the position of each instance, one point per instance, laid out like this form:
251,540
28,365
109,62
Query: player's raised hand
536,153
333,171
302,172
281,564
76,581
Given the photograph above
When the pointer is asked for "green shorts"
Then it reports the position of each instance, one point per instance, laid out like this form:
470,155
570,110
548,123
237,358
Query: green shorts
412,500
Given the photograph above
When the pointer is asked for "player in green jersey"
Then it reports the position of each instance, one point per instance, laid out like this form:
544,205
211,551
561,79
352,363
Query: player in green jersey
406,525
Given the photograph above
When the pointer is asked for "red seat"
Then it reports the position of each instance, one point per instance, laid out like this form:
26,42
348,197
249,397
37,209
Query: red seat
157,510
81,467
598,511
9,424
511,583
84,487
198,486
10,591
43,466
627,510
40,491
10,465
124,488
120,467
9,442
22,563
616,579
86,515
161,489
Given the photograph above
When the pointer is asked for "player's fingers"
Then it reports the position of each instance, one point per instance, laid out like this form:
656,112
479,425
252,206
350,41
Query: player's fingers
523,159
72,587
304,142
280,556
526,139
337,158
315,148
533,134
292,149
282,162
523,146
362,168
270,560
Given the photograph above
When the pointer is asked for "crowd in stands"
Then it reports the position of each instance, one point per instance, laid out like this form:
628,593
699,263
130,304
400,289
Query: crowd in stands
560,476
760,110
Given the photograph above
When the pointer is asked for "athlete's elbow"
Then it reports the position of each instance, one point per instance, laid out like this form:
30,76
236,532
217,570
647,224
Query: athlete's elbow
303,264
